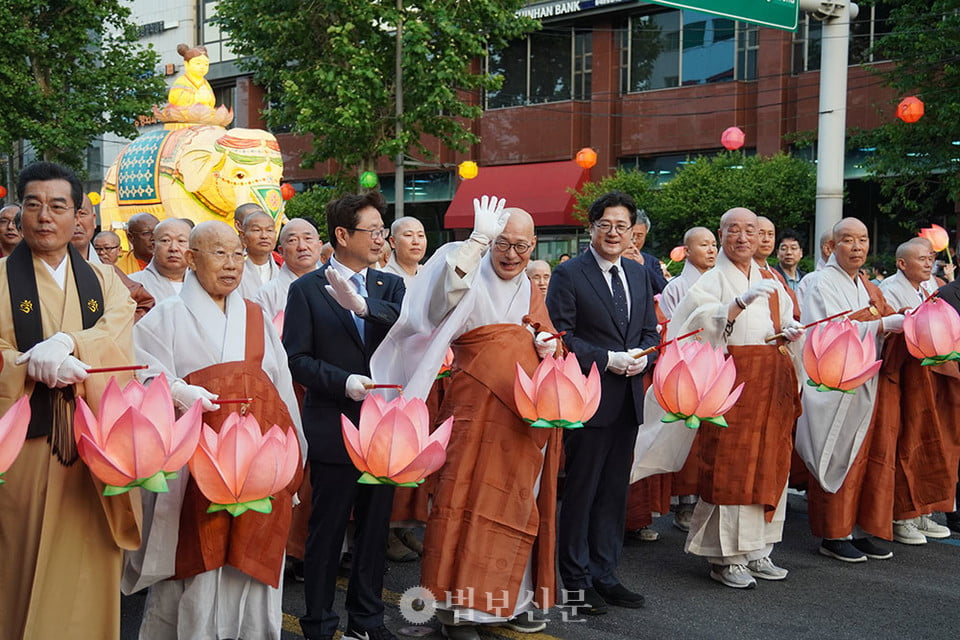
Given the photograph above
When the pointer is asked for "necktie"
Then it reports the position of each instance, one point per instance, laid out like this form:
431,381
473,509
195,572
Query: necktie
358,282
619,298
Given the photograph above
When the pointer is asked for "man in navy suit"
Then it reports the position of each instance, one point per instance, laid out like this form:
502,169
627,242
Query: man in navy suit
336,317
605,305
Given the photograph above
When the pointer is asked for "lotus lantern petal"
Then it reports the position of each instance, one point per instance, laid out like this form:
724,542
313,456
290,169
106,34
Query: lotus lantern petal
937,236
693,382
13,432
837,359
393,444
135,439
932,332
558,395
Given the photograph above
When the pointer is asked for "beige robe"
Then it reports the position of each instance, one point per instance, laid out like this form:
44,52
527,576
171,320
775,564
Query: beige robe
60,538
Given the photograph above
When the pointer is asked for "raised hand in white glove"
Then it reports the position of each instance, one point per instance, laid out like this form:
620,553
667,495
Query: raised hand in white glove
545,345
344,293
893,323
638,364
619,361
44,358
793,331
356,388
185,395
762,290
71,371
489,219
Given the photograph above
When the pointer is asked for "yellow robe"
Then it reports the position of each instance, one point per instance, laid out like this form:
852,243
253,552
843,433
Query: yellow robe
60,538
128,263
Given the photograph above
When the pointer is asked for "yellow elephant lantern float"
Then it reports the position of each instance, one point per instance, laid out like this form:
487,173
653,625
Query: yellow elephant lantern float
200,172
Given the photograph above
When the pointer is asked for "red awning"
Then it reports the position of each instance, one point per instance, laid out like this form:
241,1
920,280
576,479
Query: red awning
539,188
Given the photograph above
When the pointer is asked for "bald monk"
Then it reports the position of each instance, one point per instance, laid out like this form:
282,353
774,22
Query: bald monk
163,276
140,228
767,238
259,239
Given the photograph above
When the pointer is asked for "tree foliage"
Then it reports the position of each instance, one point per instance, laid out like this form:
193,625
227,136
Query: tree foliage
71,70
329,68
917,164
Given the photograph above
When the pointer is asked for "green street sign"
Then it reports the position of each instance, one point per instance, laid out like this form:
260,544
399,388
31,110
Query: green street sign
779,14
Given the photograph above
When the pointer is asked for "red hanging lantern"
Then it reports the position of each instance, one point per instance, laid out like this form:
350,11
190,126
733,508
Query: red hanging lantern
287,191
732,138
910,109
3,191
586,157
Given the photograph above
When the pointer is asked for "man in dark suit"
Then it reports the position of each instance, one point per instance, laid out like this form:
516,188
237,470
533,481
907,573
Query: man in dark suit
336,317
605,305
950,293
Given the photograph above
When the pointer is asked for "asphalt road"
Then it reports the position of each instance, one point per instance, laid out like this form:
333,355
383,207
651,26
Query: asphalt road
916,594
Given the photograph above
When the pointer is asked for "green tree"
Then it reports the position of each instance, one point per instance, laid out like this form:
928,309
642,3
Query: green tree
917,164
329,69
71,70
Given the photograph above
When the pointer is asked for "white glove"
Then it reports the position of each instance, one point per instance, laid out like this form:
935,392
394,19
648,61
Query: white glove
344,293
355,387
793,331
44,358
762,289
619,361
894,323
489,219
185,395
71,372
544,344
638,364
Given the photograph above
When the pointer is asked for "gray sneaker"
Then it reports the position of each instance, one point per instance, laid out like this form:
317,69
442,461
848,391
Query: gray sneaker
766,570
930,528
733,575
906,532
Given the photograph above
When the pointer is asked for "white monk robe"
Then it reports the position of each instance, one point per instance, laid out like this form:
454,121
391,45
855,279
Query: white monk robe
677,288
394,267
272,297
255,276
183,334
833,425
731,534
901,294
156,284
92,256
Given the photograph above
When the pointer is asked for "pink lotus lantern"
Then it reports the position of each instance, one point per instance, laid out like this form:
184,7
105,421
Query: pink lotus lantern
732,138
678,254
932,332
393,444
558,395
693,382
278,322
837,359
937,236
135,441
13,432
240,468
446,369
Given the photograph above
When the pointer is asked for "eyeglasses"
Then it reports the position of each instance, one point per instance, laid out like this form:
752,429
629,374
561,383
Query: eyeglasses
605,226
223,256
7,222
35,207
105,249
520,247
377,234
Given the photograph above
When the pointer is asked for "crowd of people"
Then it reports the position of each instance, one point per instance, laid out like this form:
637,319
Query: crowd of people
518,519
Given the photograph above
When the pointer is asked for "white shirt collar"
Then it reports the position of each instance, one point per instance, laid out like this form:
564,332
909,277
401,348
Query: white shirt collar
604,263
346,271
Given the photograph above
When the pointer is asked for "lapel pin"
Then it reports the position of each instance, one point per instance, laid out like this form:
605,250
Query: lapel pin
379,283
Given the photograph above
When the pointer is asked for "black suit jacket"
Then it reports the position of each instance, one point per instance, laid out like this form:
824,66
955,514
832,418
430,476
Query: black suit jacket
950,293
580,303
324,349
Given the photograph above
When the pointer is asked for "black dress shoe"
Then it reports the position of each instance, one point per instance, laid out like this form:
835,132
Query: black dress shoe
585,601
619,596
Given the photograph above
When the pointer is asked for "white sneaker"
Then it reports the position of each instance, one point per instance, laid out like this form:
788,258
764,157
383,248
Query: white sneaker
929,527
906,532
733,575
766,570
683,518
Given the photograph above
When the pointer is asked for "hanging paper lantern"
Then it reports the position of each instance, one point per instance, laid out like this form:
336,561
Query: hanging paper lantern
932,332
13,432
837,359
910,109
3,191
135,441
937,236
586,157
678,254
732,138
368,180
287,191
241,468
94,197
558,395
693,382
393,444
467,170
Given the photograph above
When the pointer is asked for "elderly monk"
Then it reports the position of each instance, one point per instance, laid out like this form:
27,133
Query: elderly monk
140,228
106,244
409,241
848,496
300,248
700,248
83,233
163,276
744,468
9,228
211,343
826,248
259,239
766,242
539,273
59,315
491,530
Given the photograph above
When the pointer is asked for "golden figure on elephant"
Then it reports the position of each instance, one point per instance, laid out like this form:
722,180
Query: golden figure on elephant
191,99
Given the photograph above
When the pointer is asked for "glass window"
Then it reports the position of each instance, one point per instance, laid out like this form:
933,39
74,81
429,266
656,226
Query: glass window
870,25
582,65
748,46
511,65
707,58
551,66
654,51
213,38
